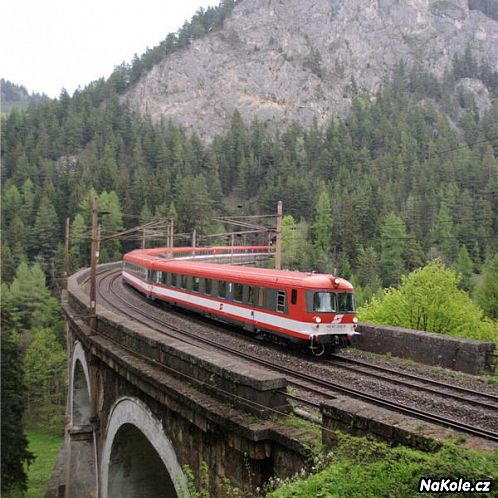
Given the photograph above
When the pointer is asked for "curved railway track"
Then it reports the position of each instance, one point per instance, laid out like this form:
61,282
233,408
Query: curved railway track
324,388
448,390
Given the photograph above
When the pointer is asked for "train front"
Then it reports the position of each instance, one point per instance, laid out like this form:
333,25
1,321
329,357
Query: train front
331,313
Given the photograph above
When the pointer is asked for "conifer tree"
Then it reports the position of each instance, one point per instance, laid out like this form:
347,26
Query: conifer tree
79,243
15,453
45,233
393,241
464,267
32,300
367,269
322,230
486,292
112,223
295,246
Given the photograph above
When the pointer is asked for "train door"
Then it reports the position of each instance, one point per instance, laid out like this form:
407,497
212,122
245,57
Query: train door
150,276
249,299
259,301
293,307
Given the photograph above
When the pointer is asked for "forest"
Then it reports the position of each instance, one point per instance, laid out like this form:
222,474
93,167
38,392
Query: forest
398,176
410,178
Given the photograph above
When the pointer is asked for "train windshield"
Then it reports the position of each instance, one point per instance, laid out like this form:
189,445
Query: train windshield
332,302
345,302
324,302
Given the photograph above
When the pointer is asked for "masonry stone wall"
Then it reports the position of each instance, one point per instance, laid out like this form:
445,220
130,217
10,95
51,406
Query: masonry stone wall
441,350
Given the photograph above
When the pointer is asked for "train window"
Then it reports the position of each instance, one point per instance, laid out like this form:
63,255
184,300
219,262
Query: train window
345,302
294,296
195,284
164,277
260,297
324,302
208,286
174,280
281,301
238,290
184,281
250,294
222,288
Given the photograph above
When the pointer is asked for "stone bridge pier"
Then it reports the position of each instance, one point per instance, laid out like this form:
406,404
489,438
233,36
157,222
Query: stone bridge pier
130,457
145,411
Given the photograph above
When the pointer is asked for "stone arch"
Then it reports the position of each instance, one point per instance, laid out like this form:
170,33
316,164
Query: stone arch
80,395
138,459
80,444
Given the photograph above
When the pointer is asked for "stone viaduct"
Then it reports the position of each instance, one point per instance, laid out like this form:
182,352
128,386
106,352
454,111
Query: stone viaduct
146,412
150,416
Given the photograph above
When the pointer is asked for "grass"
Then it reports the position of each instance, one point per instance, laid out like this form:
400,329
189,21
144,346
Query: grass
46,447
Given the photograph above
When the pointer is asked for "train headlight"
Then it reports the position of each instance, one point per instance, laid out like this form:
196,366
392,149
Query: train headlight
337,282
355,320
317,319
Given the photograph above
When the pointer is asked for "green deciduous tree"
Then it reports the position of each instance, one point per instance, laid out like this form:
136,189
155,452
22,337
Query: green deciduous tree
429,299
295,247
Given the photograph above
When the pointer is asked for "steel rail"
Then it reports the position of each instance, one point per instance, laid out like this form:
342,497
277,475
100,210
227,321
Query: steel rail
467,395
293,374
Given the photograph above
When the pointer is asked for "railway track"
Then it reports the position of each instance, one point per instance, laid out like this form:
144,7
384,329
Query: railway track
448,390
324,388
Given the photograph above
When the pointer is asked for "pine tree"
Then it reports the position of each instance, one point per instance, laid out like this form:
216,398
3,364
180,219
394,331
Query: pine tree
32,300
367,269
112,223
8,263
443,234
45,234
11,203
322,230
464,267
295,246
393,241
486,291
45,373
79,243
15,453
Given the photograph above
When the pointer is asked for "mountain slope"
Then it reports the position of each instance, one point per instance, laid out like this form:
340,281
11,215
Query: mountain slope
12,95
281,61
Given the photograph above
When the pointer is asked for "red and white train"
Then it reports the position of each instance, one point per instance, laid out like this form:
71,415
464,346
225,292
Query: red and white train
314,309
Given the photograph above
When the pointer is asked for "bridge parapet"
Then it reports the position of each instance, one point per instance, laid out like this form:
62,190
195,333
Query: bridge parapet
247,387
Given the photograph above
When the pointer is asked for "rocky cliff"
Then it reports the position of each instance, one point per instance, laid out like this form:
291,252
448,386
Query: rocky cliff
285,60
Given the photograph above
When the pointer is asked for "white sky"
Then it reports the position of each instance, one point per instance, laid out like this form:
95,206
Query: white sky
47,45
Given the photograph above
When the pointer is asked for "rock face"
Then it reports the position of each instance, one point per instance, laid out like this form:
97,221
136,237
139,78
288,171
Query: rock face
285,60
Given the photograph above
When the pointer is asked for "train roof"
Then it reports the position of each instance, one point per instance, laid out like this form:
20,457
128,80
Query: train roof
256,276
